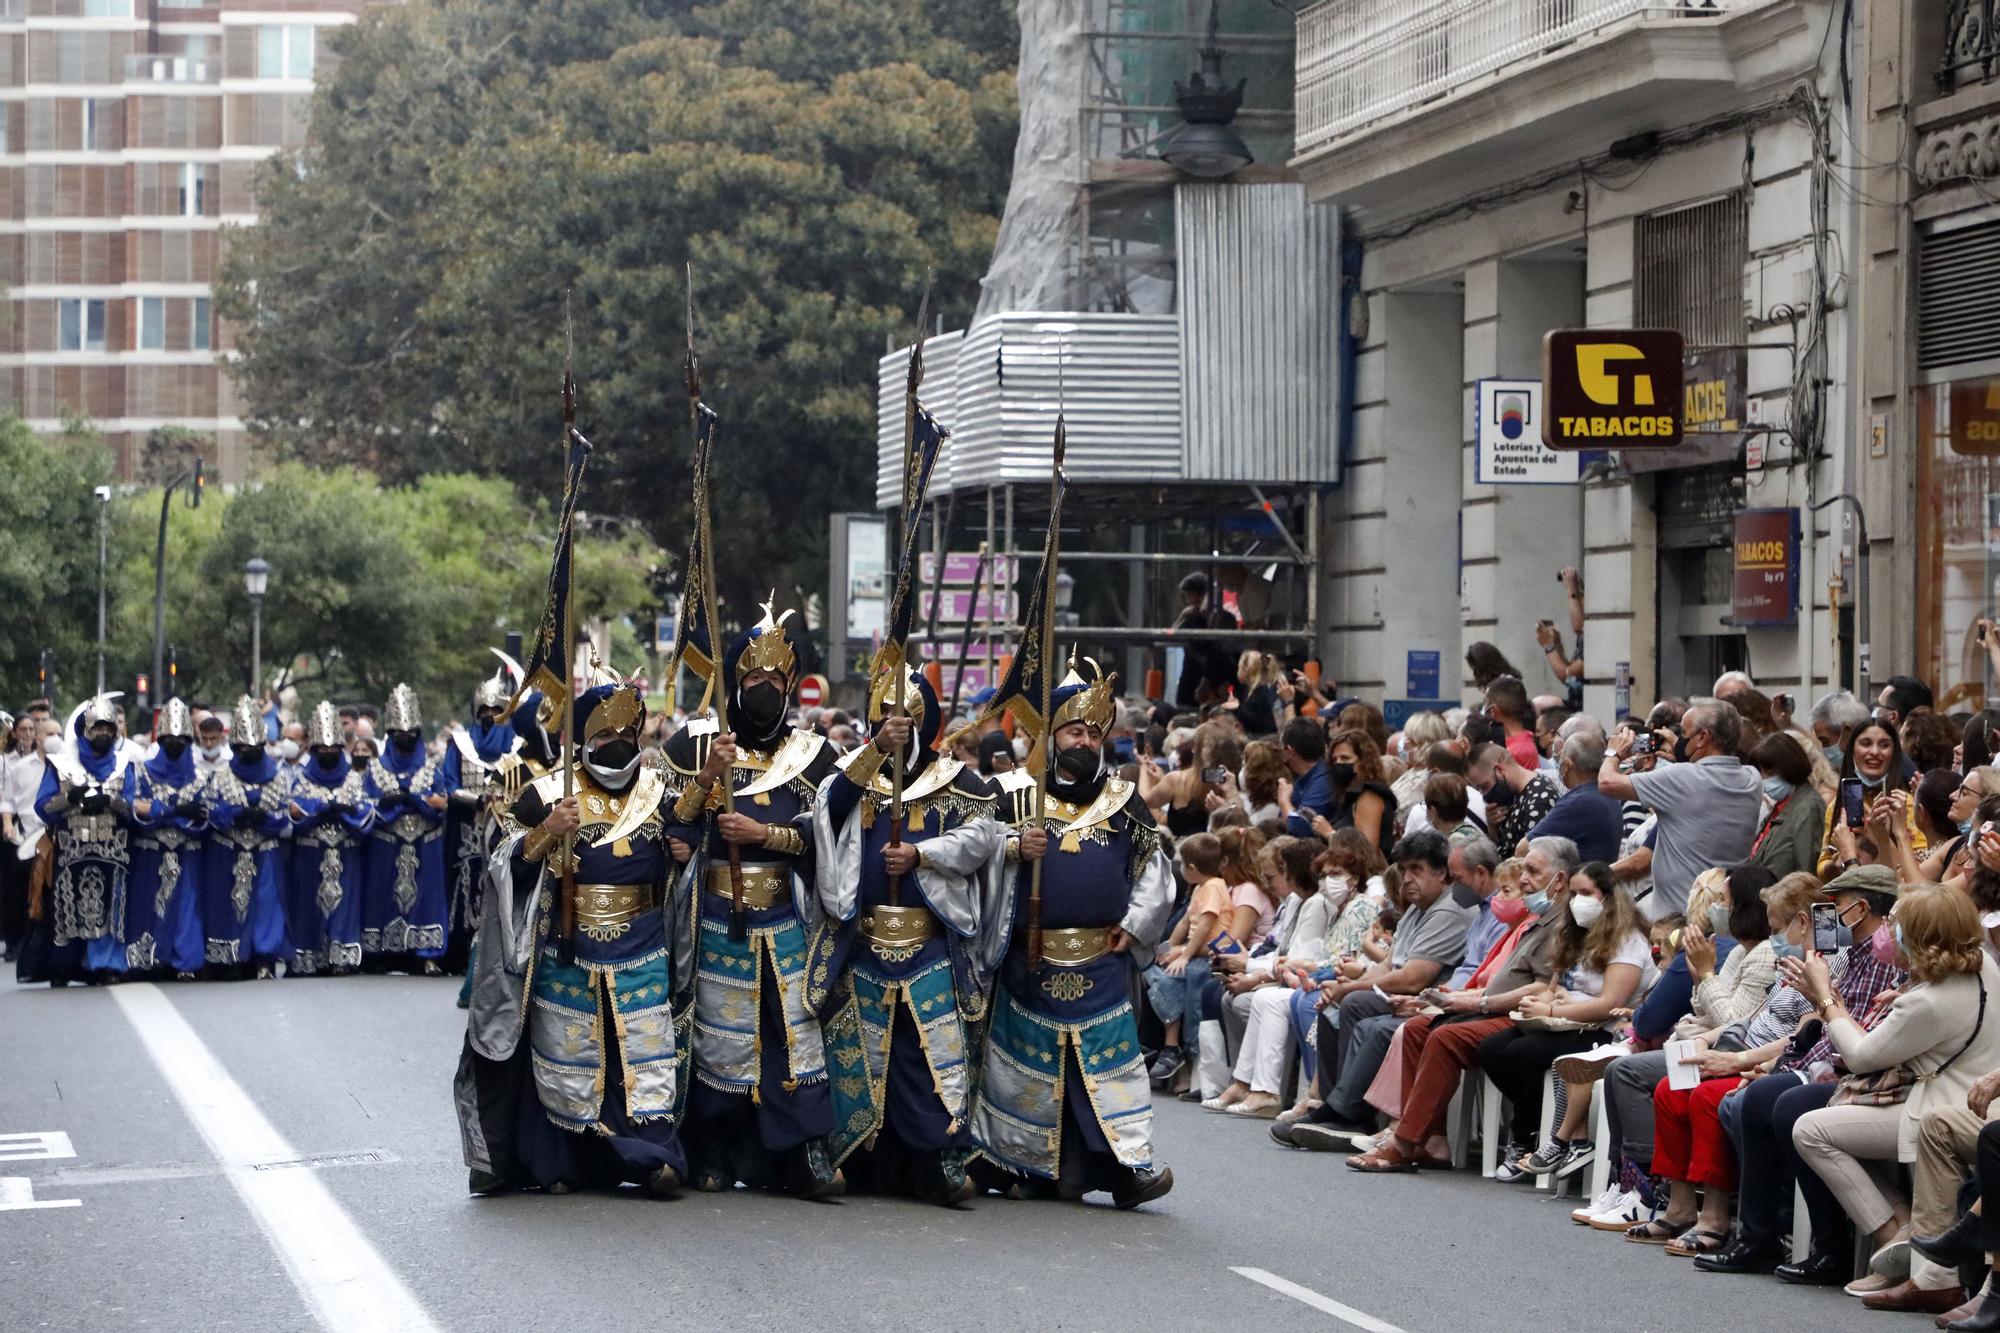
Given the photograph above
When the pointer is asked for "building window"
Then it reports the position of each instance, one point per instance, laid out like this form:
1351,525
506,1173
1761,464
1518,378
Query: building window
193,190
152,323
107,9
89,144
79,325
285,51
199,337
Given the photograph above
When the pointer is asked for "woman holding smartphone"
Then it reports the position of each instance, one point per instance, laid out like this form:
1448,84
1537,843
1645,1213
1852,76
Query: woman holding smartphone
1871,768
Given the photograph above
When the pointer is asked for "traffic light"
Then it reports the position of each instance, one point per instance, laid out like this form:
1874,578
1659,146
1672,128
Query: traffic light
200,484
45,676
170,688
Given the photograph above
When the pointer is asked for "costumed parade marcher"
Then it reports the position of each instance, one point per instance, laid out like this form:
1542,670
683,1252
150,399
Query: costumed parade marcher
170,820
901,943
331,812
471,770
759,1110
582,958
82,803
403,898
1063,1099
245,896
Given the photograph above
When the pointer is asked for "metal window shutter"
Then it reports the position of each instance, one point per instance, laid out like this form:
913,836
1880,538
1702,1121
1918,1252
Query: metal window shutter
1958,281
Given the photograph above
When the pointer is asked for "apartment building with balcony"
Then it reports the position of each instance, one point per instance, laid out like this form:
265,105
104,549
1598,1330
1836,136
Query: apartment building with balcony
130,135
1508,167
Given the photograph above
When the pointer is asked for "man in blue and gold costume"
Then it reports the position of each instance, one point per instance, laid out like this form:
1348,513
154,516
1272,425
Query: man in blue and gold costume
403,901
581,950
901,947
244,894
170,817
1063,1099
331,813
760,1110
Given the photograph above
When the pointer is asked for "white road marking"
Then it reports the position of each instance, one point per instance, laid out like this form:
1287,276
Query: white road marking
18,1193
1307,1296
35,1146
343,1279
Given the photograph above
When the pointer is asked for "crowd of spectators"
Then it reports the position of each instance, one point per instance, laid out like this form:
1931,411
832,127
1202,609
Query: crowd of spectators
1759,951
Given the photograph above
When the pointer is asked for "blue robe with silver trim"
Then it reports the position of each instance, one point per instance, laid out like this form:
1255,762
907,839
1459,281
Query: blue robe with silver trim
403,892
324,913
898,1017
93,863
244,889
163,913
1062,1054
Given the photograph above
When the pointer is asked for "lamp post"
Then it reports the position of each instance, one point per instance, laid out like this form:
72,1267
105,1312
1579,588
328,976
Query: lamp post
256,577
1206,143
103,494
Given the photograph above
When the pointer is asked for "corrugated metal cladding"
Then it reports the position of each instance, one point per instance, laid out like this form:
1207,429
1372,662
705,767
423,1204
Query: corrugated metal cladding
1259,319
1119,385
939,394
1958,278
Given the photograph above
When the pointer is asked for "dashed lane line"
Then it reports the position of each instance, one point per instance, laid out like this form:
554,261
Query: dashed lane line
1307,1296
343,1279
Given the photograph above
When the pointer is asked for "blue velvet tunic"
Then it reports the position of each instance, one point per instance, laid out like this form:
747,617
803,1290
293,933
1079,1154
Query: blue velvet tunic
328,830
403,896
244,874
163,914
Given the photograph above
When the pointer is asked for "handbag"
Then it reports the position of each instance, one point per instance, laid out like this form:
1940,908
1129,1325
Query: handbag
1892,1087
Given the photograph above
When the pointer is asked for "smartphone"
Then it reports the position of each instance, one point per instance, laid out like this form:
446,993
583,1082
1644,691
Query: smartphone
1851,801
1825,928
1215,775
1786,704
1645,743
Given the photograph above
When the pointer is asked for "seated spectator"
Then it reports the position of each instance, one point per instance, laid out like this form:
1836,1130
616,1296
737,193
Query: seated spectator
1584,814
1935,1040
1901,698
1790,836
1260,993
1835,717
1420,733
1439,1049
1181,798
1875,759
1446,808
1429,941
1174,987
1361,797
1601,963
1507,704
1943,808
1264,772
1302,745
1691,1149
1517,797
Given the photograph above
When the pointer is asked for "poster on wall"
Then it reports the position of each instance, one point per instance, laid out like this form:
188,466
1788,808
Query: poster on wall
1510,451
1767,568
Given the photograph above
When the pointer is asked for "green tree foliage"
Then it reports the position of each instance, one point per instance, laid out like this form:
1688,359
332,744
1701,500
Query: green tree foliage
402,301
48,564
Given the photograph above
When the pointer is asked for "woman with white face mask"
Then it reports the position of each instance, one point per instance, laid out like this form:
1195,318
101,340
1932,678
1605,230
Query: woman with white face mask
21,765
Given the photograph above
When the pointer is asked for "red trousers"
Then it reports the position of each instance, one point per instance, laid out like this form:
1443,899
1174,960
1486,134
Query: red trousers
1434,1056
1688,1139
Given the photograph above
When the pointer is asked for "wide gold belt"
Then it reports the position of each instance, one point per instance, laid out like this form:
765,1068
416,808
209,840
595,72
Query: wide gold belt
606,911
1070,946
897,927
764,885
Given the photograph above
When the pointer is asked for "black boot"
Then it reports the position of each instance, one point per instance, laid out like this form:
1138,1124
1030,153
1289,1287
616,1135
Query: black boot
1143,1185
944,1180
811,1174
485,1182
1820,1268
1955,1246
1745,1254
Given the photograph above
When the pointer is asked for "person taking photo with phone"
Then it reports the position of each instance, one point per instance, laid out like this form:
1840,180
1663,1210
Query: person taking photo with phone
1868,772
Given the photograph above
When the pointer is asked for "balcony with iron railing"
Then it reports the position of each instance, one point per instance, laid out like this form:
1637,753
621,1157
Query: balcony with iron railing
1446,76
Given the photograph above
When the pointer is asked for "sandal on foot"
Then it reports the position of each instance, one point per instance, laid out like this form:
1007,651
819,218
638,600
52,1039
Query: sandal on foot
1697,1240
1382,1160
1654,1232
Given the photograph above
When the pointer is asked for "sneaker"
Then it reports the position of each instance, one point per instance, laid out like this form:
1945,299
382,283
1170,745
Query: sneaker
1368,1143
1602,1203
1324,1138
1582,1152
1511,1170
1628,1211
1589,1066
1545,1159
1166,1067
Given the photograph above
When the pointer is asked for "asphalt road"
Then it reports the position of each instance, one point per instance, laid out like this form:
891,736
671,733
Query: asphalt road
353,1075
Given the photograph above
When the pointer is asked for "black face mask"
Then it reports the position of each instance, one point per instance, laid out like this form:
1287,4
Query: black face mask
1680,749
614,754
763,706
100,745
247,755
1341,774
327,758
1079,763
1499,793
405,741
173,747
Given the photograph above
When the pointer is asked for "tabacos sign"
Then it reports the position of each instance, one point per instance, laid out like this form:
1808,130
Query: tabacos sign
1612,388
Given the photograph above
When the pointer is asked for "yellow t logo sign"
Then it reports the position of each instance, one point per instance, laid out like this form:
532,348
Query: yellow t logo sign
1594,376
